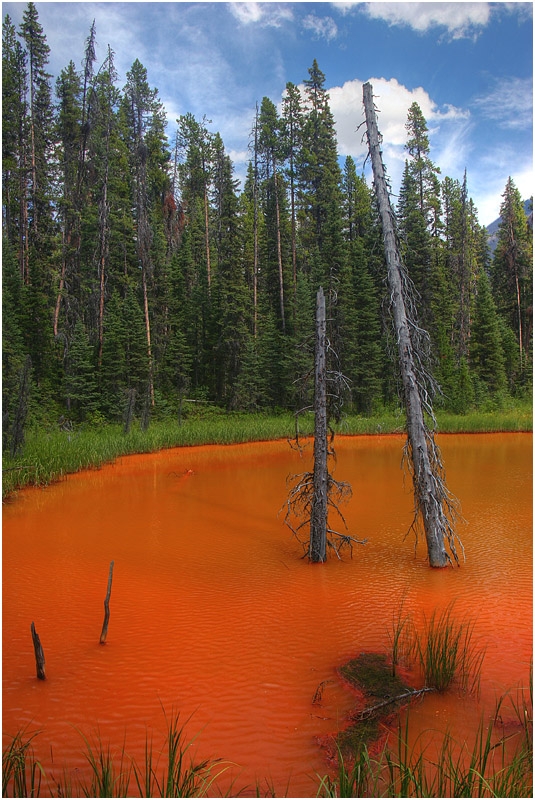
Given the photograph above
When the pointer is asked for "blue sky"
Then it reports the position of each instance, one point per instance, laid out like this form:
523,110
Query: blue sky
468,65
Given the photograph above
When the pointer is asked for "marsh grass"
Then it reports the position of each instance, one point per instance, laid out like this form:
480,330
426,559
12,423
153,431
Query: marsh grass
49,455
20,770
172,772
497,765
447,652
400,634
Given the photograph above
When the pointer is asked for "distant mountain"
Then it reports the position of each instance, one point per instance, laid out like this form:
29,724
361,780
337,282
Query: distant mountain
492,229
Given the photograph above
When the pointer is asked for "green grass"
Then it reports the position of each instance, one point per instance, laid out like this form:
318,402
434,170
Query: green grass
496,765
49,455
447,653
172,772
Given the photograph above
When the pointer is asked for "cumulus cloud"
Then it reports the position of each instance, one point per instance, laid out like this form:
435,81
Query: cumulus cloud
448,125
321,26
509,103
459,19
394,100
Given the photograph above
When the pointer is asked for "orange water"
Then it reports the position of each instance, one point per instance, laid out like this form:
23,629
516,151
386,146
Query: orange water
214,613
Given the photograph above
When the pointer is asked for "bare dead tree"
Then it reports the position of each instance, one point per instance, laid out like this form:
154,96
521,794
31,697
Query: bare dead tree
313,494
433,502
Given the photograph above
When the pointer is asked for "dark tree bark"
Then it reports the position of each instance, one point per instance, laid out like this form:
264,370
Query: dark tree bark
432,498
314,493
318,518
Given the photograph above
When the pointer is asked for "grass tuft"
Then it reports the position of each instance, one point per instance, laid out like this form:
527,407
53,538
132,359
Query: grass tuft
447,652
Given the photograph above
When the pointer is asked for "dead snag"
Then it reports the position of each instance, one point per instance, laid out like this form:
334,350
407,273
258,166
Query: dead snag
39,655
317,550
314,493
431,496
107,608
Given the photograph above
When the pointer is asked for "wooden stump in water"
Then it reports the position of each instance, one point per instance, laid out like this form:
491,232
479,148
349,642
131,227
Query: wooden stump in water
39,655
106,608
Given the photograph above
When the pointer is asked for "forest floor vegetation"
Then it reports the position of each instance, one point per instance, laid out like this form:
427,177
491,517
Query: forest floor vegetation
50,452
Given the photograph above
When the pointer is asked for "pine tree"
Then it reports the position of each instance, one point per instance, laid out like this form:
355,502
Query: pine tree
144,114
12,335
69,127
486,354
80,388
14,87
271,146
40,121
292,132
320,181
513,268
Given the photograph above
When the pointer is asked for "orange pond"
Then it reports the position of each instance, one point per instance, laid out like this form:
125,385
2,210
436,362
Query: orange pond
214,613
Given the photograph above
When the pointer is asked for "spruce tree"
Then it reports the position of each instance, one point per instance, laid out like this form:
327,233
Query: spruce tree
486,353
513,268
80,381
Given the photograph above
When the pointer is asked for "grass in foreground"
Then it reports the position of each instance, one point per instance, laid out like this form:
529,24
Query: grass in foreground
497,765
49,455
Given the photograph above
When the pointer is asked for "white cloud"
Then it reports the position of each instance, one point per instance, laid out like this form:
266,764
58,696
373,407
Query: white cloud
448,125
393,101
459,19
265,14
346,7
321,26
247,12
509,103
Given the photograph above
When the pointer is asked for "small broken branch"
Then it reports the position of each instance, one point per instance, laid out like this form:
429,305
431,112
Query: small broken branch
318,694
107,608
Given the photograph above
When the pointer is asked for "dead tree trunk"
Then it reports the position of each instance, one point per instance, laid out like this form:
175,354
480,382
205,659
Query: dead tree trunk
318,518
39,655
431,496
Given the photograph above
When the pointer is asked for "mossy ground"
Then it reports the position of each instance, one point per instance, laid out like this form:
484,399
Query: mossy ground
371,674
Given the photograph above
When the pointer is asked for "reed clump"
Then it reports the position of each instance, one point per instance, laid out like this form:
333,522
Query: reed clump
445,649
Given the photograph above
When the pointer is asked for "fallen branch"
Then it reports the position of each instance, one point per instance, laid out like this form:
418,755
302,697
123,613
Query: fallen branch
367,712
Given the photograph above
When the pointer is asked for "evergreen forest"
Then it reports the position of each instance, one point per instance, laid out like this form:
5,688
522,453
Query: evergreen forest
137,276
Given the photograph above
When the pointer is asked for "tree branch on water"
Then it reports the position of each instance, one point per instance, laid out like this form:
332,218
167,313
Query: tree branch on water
370,710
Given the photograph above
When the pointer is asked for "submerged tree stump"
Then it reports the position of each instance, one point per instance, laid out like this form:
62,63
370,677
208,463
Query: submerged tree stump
107,608
39,655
